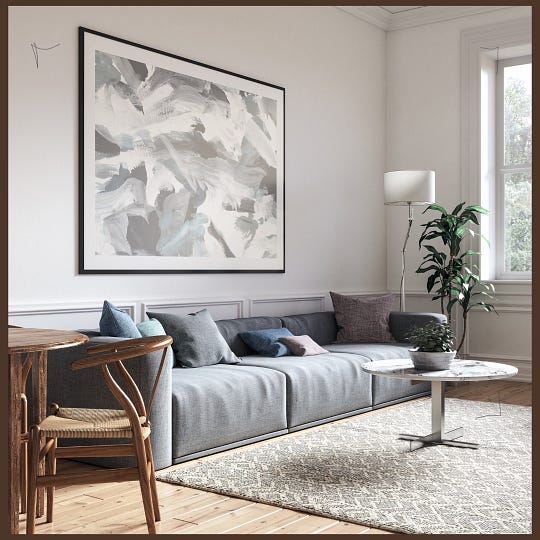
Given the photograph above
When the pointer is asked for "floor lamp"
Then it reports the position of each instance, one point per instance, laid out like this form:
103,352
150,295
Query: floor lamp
408,188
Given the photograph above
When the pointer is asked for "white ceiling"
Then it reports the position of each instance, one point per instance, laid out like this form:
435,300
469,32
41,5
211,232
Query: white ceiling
398,17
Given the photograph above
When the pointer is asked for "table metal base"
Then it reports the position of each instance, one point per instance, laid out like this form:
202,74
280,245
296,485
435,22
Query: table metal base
438,435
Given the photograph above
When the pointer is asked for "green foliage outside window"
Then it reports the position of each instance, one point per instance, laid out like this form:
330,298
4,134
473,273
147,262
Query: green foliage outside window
517,185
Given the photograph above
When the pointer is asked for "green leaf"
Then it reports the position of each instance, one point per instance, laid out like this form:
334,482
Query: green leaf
423,270
470,217
458,208
477,208
436,207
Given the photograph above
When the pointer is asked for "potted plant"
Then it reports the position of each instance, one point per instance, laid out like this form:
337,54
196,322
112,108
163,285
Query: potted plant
448,267
434,344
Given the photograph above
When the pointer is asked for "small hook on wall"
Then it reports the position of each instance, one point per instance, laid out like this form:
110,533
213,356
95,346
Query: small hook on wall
35,48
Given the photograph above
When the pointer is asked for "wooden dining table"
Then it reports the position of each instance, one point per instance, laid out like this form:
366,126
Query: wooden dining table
27,354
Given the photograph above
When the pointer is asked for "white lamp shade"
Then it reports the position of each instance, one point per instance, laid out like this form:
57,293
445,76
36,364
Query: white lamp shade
409,187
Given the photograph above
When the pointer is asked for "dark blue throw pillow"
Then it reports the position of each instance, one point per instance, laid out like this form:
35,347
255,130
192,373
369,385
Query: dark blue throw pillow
266,342
117,323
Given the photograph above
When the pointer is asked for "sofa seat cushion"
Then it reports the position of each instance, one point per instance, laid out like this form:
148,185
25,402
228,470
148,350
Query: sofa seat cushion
319,386
216,405
385,389
373,351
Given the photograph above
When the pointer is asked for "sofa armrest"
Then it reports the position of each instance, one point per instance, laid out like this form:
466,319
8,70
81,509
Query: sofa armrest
87,388
402,322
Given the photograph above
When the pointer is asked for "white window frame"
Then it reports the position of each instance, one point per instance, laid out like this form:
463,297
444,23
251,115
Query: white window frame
475,43
501,170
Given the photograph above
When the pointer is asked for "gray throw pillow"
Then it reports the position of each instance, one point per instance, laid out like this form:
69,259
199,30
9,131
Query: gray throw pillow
197,341
363,319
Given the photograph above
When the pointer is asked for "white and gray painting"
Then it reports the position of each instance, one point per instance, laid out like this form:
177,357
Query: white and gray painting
184,167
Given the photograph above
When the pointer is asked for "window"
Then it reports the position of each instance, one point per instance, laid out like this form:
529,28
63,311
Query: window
496,145
513,183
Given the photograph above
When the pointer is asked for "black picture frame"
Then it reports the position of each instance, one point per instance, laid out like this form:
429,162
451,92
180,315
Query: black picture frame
108,230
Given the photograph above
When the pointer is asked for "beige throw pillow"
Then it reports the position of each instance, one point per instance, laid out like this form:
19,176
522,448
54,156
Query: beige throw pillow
363,319
302,345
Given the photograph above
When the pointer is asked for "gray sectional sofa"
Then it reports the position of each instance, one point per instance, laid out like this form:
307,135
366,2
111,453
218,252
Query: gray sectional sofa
200,411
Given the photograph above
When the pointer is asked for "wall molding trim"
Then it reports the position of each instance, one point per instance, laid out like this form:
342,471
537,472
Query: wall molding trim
64,315
319,301
83,307
194,304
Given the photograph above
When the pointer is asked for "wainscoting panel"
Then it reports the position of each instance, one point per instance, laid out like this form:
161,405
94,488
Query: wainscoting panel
64,316
219,309
504,338
508,334
276,306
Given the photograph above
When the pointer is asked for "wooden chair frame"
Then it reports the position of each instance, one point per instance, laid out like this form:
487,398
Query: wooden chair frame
133,405
26,367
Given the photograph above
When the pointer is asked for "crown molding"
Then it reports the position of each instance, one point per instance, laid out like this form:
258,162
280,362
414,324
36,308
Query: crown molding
371,14
433,14
415,17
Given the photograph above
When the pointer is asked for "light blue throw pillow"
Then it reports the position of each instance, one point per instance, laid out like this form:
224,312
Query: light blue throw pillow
152,327
117,323
266,342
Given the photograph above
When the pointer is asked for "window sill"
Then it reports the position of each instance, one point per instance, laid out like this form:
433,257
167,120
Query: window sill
527,281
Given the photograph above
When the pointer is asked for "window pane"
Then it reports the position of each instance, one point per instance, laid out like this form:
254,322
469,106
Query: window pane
517,114
517,222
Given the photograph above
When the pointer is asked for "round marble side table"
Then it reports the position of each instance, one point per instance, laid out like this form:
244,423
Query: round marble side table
459,370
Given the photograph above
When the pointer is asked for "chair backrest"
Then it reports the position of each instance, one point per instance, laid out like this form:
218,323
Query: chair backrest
114,353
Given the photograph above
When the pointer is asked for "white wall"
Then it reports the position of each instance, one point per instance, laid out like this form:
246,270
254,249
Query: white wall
333,68
423,131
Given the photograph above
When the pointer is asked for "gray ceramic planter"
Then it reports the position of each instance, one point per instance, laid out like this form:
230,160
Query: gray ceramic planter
431,361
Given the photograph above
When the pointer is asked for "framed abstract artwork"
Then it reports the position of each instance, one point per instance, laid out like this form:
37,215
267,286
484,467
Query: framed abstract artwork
181,165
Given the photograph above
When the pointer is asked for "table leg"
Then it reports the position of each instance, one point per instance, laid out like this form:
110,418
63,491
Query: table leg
438,434
14,440
39,410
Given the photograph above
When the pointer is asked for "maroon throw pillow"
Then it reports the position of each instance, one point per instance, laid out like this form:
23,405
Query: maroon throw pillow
363,319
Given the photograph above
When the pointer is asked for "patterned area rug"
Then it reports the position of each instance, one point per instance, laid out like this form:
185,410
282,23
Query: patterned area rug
358,471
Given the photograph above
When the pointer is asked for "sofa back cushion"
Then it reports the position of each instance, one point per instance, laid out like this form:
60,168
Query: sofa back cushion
230,328
401,323
321,327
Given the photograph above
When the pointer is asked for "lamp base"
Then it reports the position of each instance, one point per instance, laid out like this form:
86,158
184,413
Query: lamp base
403,252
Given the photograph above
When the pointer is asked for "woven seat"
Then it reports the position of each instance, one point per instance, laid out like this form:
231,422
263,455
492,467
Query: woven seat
75,423
90,423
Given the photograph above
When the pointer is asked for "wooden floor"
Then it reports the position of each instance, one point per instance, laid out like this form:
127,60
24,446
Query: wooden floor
117,508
